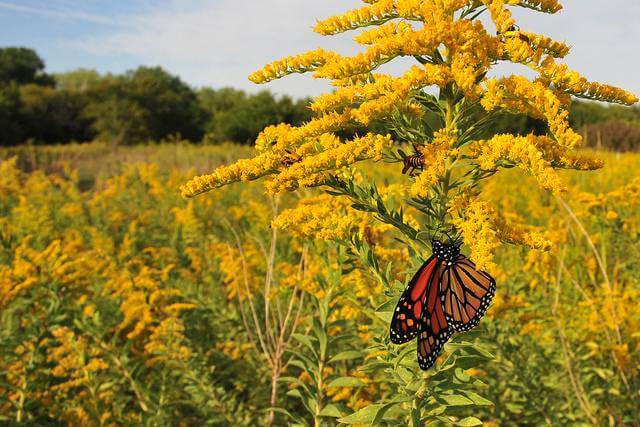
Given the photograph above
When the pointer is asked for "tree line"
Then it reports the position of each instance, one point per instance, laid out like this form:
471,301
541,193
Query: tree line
150,104
141,105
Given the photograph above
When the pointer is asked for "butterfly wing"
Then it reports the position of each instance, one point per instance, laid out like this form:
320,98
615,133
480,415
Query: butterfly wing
407,317
435,330
466,293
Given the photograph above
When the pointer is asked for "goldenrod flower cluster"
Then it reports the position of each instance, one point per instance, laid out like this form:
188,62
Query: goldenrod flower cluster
74,359
435,159
455,51
309,171
538,155
322,218
483,229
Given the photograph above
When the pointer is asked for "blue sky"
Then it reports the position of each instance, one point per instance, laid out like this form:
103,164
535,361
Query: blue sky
219,42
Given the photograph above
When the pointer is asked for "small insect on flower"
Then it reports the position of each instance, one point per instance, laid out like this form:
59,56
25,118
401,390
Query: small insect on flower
411,163
447,294
290,159
514,31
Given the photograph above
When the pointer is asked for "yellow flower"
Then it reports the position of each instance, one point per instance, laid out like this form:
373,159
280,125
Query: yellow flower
435,158
310,170
321,218
243,170
483,228
611,216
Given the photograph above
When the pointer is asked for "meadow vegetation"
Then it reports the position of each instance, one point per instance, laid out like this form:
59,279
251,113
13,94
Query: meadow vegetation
122,303
125,301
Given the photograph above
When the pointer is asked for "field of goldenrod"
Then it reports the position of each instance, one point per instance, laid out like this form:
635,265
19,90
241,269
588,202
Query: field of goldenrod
123,304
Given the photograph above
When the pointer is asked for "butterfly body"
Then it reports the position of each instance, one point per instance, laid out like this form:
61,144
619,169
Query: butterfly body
447,294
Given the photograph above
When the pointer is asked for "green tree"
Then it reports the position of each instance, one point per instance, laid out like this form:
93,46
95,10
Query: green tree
80,80
216,100
21,66
588,113
11,131
144,104
235,116
53,116
172,105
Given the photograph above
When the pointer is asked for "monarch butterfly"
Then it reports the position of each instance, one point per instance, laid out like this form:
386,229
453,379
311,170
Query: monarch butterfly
447,294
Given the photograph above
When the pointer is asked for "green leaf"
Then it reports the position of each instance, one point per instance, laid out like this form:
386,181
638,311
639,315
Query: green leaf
477,399
292,380
469,422
382,411
385,316
294,393
387,407
415,417
457,400
462,376
363,416
330,411
346,355
391,304
304,339
346,382
322,337
280,411
299,364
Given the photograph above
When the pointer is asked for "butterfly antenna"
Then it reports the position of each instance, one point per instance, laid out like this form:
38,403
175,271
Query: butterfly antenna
434,234
450,240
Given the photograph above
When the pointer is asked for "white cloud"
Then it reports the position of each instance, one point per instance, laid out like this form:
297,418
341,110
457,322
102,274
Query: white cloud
220,42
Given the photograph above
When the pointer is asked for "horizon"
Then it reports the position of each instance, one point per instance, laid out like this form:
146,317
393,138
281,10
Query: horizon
200,42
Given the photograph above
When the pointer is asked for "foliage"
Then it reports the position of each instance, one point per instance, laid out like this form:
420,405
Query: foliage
589,113
619,135
72,263
236,116
21,65
10,103
52,115
147,103
142,105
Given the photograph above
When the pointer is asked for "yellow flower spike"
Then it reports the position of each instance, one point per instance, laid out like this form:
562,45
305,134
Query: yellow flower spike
547,6
524,152
500,15
292,64
243,170
309,171
435,158
577,85
322,218
377,12
532,98
476,224
378,34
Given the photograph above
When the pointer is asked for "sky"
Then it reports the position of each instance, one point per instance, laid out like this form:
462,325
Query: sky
220,42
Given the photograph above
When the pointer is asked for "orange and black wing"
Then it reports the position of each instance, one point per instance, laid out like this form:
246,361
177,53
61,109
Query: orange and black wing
407,317
435,330
466,293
